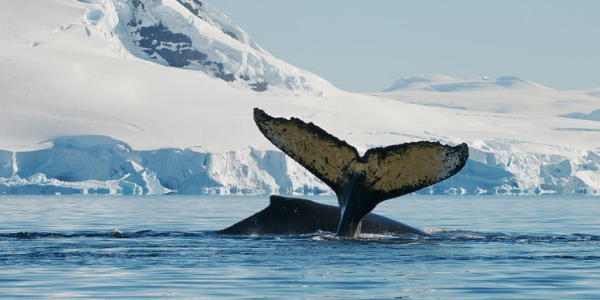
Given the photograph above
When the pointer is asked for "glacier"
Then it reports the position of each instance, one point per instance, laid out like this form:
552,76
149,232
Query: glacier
102,165
140,97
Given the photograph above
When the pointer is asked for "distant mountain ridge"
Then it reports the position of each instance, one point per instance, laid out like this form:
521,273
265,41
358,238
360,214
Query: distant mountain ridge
443,83
507,94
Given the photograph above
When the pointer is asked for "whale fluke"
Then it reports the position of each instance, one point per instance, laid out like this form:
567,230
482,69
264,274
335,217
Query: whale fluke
361,182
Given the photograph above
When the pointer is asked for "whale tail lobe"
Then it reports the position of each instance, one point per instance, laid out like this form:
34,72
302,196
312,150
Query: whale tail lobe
361,182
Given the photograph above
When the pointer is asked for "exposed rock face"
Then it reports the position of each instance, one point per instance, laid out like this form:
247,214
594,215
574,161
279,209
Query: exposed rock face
176,48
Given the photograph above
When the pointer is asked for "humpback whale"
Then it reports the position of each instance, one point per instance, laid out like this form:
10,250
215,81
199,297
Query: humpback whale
359,182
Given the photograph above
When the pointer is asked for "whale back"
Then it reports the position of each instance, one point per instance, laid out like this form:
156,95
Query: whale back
301,216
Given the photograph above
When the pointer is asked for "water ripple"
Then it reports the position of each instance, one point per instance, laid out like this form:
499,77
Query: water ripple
437,235
167,247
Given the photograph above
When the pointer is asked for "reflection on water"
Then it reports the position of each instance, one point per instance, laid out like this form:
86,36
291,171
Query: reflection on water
166,248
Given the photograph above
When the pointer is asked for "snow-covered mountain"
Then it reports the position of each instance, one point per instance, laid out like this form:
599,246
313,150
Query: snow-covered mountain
191,34
506,94
147,97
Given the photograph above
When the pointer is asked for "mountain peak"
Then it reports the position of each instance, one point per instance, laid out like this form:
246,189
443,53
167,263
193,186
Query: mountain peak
406,82
193,35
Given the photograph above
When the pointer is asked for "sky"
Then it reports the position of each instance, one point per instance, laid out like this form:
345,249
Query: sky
363,46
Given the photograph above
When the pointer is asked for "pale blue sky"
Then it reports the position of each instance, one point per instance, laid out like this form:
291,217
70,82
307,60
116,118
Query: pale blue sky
365,45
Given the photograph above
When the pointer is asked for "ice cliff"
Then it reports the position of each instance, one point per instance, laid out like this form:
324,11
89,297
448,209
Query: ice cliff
101,165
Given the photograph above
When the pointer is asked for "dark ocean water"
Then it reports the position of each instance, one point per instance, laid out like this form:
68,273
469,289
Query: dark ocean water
87,247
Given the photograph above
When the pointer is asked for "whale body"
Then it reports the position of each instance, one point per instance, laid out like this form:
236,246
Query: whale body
300,216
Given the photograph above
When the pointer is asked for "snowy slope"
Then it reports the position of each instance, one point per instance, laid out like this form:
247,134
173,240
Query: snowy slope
94,103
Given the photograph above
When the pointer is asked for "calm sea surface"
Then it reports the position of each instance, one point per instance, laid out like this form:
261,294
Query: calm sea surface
87,247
